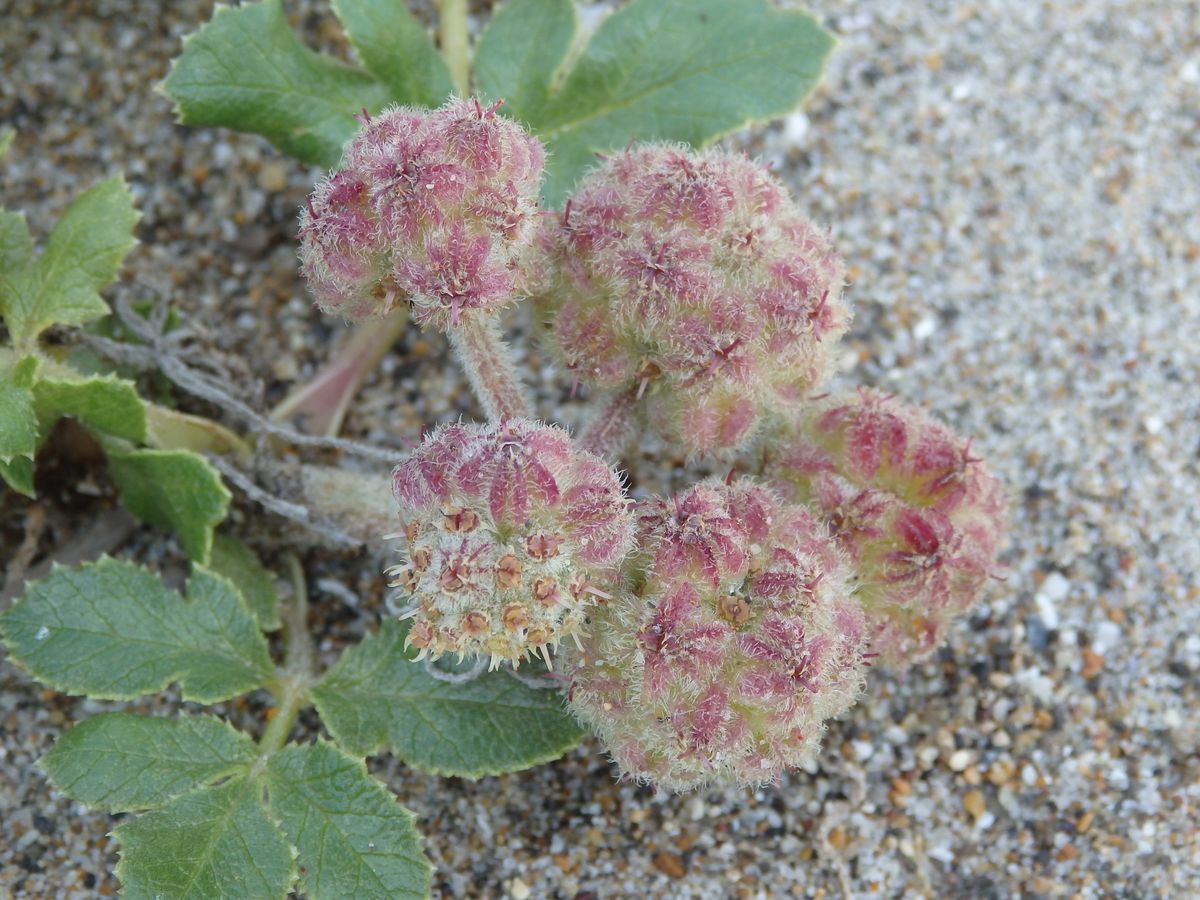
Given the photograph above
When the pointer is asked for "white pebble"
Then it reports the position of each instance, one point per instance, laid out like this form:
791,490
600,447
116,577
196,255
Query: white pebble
1108,635
959,760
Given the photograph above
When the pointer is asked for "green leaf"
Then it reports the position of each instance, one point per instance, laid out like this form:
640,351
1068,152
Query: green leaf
237,562
354,839
114,631
19,475
16,246
377,697
82,255
677,70
396,49
521,51
121,762
18,422
6,139
107,405
212,843
246,70
175,489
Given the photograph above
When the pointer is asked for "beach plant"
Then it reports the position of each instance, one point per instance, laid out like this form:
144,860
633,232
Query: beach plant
705,635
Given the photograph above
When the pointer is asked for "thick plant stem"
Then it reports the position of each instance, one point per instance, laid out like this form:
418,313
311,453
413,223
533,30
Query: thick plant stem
321,404
298,670
607,432
452,28
489,367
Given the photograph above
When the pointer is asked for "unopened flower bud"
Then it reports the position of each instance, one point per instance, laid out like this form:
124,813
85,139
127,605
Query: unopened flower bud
920,516
430,207
693,276
734,643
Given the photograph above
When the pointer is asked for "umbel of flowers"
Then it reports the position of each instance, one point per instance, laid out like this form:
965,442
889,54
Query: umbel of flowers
714,633
508,530
432,208
920,517
694,279
735,638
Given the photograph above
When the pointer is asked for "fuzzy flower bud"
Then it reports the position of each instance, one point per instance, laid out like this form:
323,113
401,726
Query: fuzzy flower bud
507,529
695,276
432,207
736,639
920,517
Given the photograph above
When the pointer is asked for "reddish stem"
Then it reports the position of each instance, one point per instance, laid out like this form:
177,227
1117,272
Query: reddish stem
321,404
487,360
607,432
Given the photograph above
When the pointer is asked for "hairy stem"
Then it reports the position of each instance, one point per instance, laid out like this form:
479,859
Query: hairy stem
296,675
321,404
607,431
452,28
487,360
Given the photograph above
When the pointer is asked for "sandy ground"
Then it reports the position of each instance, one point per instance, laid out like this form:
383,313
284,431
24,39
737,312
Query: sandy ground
1015,186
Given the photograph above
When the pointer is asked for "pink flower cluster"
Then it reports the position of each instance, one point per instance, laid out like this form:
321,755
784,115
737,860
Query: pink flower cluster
430,207
920,517
733,640
693,276
508,530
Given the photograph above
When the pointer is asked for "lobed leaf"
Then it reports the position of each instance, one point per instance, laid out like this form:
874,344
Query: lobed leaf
354,839
16,246
18,474
237,562
81,257
113,630
376,697
677,70
107,405
175,489
396,48
246,70
212,843
121,762
18,421
520,53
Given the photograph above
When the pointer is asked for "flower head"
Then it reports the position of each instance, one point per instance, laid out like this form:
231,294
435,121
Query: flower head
919,515
694,275
508,529
430,207
733,643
